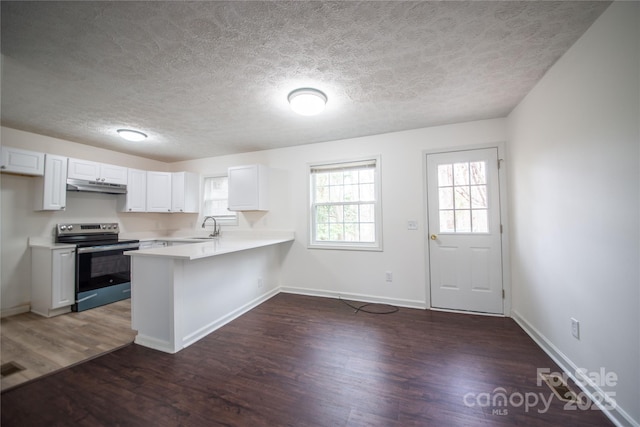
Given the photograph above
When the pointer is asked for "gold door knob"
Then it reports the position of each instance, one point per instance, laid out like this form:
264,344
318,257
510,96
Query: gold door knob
434,237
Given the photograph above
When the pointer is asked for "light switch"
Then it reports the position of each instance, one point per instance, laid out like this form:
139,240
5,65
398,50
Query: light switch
412,225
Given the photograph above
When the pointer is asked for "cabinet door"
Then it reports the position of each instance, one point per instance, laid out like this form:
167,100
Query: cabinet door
158,191
84,169
185,195
177,192
51,191
24,162
63,277
248,188
136,197
113,174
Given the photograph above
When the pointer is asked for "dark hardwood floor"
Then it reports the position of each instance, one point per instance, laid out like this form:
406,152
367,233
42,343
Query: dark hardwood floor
305,361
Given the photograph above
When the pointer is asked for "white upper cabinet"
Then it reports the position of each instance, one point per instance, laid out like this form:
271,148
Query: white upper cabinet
248,188
113,174
185,192
51,189
136,198
94,171
25,162
158,191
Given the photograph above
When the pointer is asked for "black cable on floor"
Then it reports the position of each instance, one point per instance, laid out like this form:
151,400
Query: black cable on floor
362,308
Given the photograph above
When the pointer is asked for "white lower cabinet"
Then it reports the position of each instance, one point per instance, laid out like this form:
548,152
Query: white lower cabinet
53,273
51,189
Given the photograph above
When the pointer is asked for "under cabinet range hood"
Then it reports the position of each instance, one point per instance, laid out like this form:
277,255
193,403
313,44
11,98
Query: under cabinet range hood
95,186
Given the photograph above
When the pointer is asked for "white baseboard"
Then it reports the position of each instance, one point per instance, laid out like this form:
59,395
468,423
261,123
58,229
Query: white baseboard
154,343
617,415
6,312
354,297
220,322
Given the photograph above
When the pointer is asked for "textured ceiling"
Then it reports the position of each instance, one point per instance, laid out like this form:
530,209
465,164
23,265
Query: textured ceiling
211,78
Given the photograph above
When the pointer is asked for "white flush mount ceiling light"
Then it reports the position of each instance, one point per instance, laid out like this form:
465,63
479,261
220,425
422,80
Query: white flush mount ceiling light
131,135
307,101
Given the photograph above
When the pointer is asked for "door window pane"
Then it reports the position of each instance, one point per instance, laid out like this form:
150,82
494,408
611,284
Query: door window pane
461,173
445,175
478,173
446,222
479,221
462,197
479,196
446,198
463,221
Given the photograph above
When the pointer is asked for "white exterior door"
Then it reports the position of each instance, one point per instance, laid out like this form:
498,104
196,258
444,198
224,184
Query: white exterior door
465,251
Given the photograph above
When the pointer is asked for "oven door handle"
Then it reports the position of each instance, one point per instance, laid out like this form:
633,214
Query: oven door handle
104,248
86,298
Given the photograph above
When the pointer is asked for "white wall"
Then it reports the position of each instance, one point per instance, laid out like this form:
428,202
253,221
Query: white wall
574,192
319,271
20,221
356,273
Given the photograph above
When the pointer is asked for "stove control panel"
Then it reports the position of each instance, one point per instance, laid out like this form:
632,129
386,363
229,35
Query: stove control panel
93,228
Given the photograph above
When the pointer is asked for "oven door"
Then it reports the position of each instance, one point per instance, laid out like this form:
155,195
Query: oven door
103,274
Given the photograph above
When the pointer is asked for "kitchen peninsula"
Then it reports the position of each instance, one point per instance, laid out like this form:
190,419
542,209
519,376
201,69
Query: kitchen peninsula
179,294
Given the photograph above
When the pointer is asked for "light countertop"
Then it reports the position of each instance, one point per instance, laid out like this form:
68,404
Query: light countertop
47,243
196,249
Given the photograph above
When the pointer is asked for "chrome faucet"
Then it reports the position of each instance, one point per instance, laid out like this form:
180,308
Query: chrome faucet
216,228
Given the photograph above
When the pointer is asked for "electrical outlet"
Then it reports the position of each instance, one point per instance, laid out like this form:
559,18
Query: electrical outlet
575,328
260,283
388,276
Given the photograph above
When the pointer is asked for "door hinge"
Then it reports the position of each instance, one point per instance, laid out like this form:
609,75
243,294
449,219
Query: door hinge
503,294
500,228
499,162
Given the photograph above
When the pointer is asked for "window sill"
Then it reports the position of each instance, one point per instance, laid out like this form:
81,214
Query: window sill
345,247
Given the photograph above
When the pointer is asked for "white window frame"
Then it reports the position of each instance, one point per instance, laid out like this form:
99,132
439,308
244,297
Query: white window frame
232,217
346,245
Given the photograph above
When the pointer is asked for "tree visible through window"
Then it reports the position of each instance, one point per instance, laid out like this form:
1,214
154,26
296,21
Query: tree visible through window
345,205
